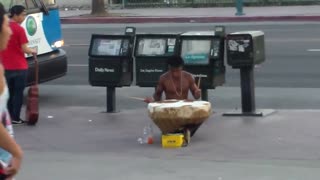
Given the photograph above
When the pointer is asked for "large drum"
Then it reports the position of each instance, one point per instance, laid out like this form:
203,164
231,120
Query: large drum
173,115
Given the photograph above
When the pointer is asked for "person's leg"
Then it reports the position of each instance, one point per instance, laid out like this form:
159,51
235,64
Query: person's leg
19,85
193,128
10,79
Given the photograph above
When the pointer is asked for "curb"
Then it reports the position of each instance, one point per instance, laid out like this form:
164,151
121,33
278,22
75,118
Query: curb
96,20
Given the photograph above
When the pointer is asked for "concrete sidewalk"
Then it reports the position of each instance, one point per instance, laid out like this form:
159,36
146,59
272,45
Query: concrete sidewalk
75,140
80,142
187,15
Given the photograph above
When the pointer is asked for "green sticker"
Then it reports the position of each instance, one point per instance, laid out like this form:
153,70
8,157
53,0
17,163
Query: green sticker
31,25
196,58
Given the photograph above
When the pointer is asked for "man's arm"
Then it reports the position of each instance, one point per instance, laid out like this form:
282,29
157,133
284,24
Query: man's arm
159,90
24,42
10,145
196,92
28,50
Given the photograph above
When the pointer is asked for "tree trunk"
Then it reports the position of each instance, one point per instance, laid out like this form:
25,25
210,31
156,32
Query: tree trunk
98,8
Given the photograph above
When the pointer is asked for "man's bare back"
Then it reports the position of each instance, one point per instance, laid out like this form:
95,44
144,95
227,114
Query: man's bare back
176,88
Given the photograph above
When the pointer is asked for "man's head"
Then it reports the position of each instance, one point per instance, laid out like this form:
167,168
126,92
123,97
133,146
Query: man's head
18,13
175,64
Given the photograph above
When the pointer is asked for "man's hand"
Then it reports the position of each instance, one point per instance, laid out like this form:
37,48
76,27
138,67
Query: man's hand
28,50
148,99
14,167
33,52
197,93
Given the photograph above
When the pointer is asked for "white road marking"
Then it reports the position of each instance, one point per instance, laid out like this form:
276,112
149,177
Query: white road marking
78,65
313,50
69,45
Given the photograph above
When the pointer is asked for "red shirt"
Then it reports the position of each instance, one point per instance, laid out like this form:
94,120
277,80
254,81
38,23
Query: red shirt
13,57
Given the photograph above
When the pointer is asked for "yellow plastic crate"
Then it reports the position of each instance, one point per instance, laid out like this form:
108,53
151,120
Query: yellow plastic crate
172,140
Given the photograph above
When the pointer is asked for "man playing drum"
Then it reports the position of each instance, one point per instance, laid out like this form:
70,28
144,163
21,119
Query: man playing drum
176,84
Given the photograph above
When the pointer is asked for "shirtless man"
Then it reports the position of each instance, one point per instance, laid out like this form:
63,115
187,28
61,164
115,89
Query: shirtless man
175,83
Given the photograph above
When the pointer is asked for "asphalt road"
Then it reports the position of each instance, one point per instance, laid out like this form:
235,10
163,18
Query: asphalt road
288,79
292,51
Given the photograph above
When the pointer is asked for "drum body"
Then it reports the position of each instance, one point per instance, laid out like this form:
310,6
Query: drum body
173,115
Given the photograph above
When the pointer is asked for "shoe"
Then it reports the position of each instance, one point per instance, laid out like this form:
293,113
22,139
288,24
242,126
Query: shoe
20,121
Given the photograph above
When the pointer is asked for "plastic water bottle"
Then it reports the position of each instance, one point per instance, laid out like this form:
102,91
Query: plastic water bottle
147,137
150,134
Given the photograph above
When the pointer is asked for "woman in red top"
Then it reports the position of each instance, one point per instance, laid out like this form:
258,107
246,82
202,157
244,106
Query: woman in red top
15,63
6,141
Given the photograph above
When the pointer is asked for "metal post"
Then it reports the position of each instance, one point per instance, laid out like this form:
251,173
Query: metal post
111,99
247,90
239,7
248,96
123,4
204,94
